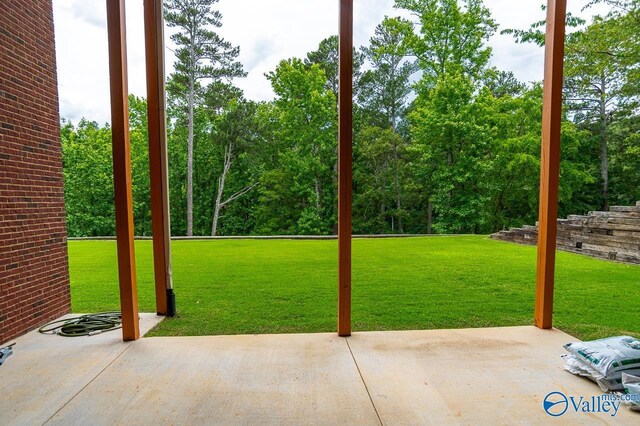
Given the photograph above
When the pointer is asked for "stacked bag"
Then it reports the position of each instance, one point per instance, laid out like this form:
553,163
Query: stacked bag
632,387
605,361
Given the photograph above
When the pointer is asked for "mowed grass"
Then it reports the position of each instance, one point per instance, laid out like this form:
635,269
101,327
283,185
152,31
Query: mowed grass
286,286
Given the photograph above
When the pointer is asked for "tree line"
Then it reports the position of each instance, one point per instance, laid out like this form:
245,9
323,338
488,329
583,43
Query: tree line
443,142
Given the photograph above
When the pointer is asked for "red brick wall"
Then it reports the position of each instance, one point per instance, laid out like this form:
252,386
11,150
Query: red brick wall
34,277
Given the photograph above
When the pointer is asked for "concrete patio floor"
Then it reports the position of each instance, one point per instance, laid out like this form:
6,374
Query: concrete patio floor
471,376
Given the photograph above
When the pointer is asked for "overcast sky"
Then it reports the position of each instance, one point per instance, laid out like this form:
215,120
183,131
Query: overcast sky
267,31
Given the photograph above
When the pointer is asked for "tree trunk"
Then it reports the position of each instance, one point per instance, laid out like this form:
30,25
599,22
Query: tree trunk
190,159
316,186
429,218
221,181
398,207
396,179
218,206
604,161
396,184
216,216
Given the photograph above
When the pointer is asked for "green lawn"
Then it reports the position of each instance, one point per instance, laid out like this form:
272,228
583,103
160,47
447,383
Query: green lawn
284,286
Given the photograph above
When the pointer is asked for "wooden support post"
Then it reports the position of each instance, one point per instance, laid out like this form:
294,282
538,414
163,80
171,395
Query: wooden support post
550,161
158,162
122,169
345,159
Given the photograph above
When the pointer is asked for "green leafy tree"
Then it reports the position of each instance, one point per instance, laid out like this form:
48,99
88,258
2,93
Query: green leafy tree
88,179
387,85
278,204
380,168
601,70
235,130
384,96
513,123
327,57
139,139
593,86
503,83
448,37
452,145
625,160
307,128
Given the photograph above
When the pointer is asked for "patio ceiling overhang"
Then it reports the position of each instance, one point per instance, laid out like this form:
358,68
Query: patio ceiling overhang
154,43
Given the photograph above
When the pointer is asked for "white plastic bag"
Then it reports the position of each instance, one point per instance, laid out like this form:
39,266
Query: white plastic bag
605,360
576,366
632,387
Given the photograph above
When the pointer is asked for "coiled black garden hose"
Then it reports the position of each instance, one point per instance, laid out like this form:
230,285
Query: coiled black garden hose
84,325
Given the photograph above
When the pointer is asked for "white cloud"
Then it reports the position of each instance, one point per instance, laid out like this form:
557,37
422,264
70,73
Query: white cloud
266,31
88,12
82,57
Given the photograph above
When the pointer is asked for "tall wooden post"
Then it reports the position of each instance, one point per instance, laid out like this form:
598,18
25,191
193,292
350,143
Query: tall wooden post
345,159
122,169
550,161
158,158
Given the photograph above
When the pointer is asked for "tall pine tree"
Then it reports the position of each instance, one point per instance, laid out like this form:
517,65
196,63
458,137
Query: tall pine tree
201,54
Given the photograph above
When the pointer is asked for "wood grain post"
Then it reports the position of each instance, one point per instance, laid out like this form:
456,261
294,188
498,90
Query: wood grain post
345,159
158,158
122,169
550,162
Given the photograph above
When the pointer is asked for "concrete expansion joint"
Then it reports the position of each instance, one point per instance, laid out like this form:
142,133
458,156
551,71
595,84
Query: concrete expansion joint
355,362
127,346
